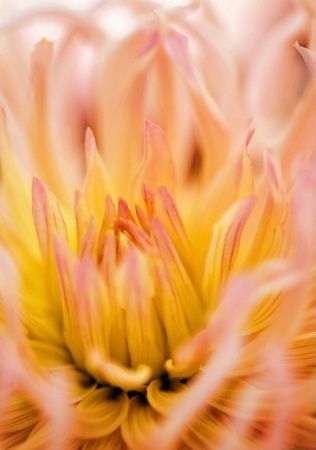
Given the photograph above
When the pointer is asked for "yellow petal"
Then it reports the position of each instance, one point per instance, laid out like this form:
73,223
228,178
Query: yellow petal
66,263
89,244
141,419
172,311
145,336
180,279
100,413
113,441
82,214
162,395
47,215
129,379
18,413
92,308
224,249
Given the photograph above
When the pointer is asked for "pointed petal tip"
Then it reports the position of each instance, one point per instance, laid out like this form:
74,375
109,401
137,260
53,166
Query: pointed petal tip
249,137
90,143
37,183
151,125
152,131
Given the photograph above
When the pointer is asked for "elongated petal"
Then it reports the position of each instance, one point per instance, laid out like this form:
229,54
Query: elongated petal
47,215
180,278
95,184
224,248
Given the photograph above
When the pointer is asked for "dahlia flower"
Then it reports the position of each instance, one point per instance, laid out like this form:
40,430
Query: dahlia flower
156,258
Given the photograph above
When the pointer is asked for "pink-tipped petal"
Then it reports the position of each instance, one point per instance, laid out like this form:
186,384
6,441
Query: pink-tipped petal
157,167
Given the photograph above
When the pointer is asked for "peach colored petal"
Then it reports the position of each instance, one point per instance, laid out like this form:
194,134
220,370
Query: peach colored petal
157,167
95,183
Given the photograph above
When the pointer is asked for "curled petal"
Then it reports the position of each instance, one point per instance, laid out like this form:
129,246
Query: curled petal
141,419
162,397
113,440
117,375
100,413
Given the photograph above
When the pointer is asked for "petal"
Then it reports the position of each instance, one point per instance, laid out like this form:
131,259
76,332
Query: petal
73,384
224,248
177,47
89,244
47,216
167,211
66,263
278,69
140,421
157,167
82,215
49,354
137,235
39,133
308,56
145,337
114,441
10,285
233,182
16,200
100,413
178,274
161,397
266,232
44,435
149,198
172,311
19,414
126,378
92,309
96,180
